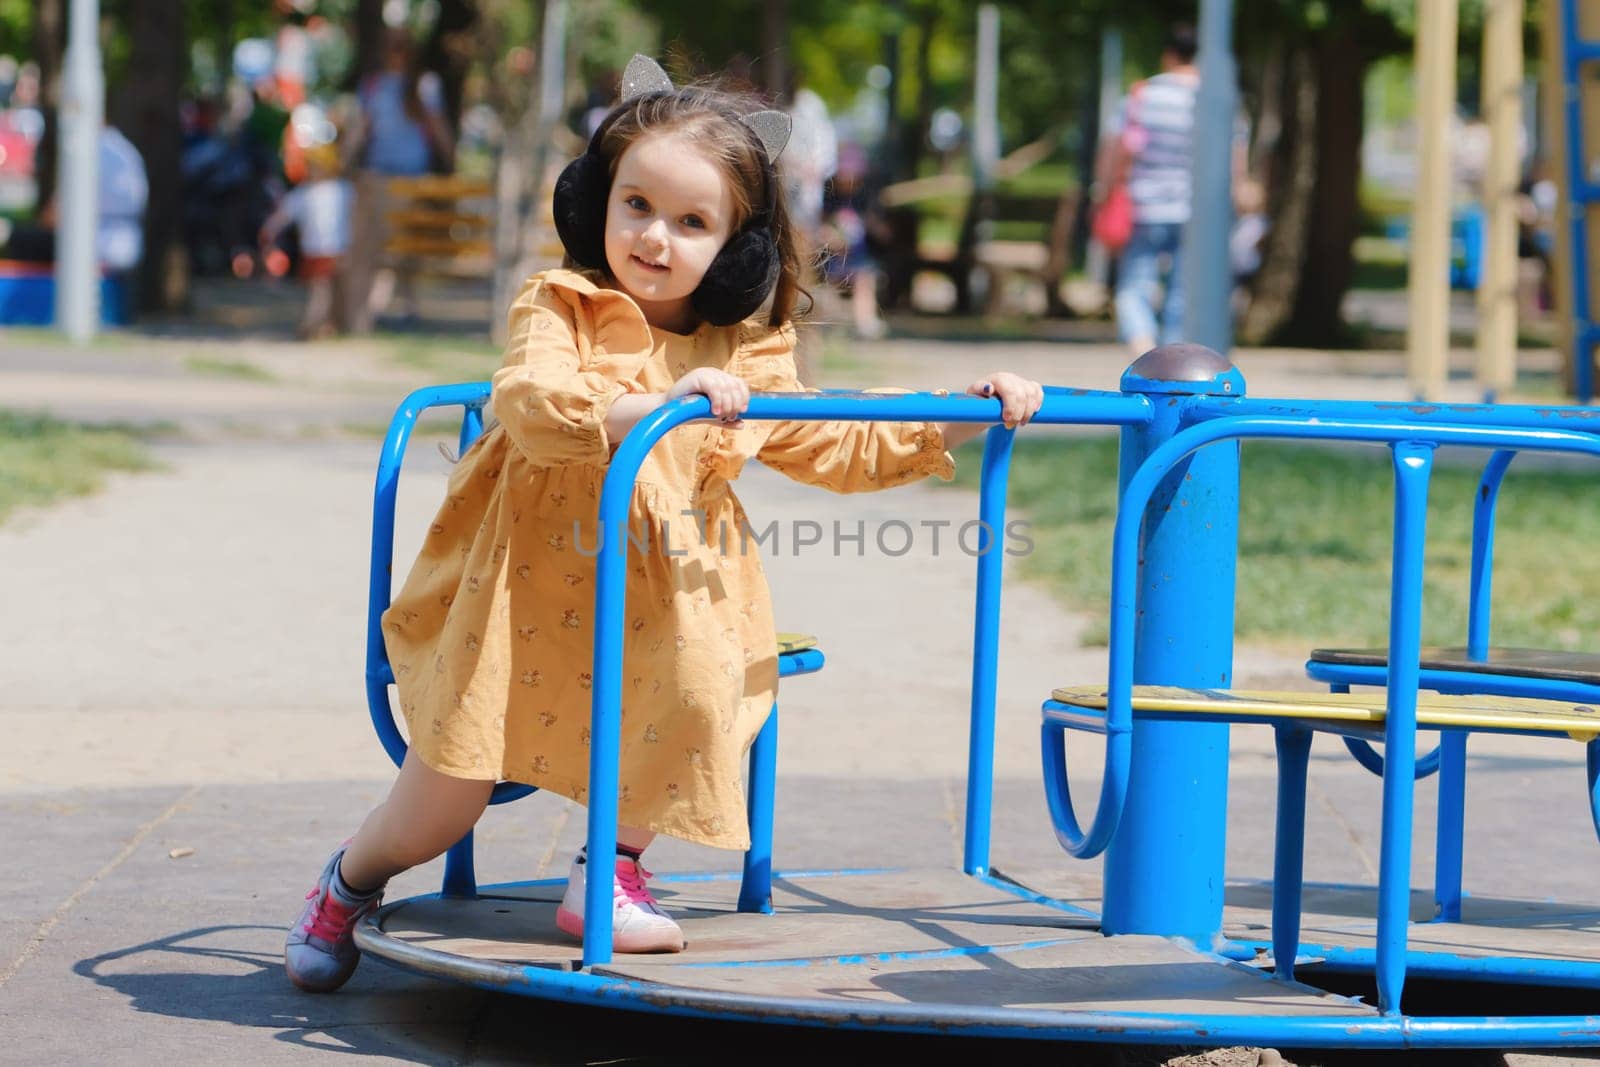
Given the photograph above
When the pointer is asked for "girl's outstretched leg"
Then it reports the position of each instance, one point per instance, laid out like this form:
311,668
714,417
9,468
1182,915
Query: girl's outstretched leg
425,814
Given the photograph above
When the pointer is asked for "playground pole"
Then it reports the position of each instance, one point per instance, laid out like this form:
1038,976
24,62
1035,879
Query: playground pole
1428,336
82,110
1164,867
1502,107
985,103
1097,262
1574,283
1208,313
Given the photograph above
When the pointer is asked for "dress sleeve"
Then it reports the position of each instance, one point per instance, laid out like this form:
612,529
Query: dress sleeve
844,456
553,411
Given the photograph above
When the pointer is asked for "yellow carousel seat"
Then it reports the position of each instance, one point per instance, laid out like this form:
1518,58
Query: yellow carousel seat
1340,711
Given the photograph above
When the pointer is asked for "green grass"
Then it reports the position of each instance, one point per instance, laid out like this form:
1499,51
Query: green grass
940,217
448,358
1314,543
228,368
838,355
1042,179
1378,263
43,459
34,336
443,429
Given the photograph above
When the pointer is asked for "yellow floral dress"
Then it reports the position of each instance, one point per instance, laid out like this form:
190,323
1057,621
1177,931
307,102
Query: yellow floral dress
491,637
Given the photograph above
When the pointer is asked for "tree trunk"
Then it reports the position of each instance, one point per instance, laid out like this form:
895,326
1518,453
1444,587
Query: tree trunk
1341,71
49,42
159,50
1313,197
368,36
1269,123
904,142
225,35
916,133
1291,186
449,51
775,51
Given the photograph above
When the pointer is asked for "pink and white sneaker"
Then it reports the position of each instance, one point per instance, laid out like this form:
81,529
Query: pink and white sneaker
637,922
320,952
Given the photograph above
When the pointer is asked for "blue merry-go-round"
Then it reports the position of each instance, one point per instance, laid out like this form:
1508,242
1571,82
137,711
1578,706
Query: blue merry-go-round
1156,955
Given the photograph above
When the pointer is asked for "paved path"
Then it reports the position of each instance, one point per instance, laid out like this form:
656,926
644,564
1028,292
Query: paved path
182,672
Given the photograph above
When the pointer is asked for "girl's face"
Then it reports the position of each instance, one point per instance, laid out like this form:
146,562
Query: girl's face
669,214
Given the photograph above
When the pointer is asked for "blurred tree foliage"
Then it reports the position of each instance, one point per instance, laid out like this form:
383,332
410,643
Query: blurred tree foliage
16,26
1301,71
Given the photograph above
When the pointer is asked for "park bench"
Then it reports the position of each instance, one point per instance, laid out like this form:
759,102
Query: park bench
446,225
1392,717
441,223
1038,256
1040,260
1004,236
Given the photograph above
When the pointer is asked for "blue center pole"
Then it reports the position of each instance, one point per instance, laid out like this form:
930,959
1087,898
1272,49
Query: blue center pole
1164,867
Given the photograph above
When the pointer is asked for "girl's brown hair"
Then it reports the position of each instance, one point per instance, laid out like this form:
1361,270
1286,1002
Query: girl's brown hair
709,118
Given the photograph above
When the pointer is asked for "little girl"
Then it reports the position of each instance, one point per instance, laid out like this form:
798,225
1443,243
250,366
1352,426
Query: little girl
679,223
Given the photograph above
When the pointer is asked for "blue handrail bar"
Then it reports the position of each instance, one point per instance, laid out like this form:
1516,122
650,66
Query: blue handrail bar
1415,413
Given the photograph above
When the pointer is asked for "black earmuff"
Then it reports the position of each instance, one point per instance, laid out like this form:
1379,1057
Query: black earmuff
740,278
744,272
579,207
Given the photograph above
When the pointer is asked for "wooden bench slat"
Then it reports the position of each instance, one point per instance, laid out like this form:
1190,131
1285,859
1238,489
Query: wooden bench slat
1467,712
438,187
1549,664
795,642
418,245
437,218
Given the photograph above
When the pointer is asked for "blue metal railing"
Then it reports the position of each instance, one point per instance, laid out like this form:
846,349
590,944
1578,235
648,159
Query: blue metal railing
471,396
460,879
1412,441
1412,432
1061,407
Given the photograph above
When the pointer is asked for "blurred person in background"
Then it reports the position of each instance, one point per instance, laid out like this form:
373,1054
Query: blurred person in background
25,112
852,231
597,104
293,69
9,69
810,159
121,196
403,132
1153,145
319,208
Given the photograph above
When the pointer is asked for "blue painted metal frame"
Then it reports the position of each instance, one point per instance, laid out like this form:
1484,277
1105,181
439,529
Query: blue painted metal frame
1450,757
1061,406
1508,970
996,471
1410,433
1412,441
1188,547
460,878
